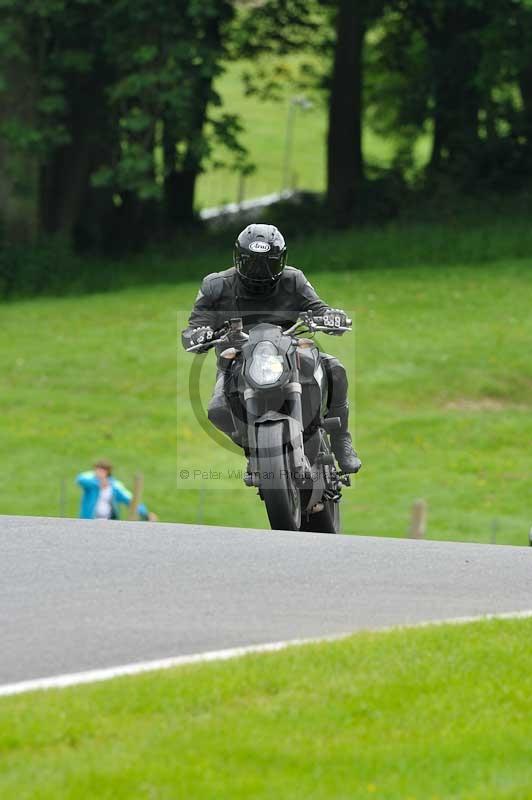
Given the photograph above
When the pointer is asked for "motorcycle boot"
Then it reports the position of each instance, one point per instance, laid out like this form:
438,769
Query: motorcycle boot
341,443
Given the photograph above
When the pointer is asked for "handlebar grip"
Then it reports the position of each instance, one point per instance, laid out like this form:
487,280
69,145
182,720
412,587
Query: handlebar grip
321,321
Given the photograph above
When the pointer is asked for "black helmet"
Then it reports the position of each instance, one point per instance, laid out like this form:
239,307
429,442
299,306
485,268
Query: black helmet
260,257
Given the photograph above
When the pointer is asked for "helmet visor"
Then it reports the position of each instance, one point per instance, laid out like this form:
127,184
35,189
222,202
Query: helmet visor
260,267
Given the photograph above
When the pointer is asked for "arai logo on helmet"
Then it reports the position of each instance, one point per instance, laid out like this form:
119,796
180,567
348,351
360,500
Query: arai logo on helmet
259,247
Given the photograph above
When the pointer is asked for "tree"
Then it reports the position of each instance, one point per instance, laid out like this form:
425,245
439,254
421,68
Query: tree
118,115
344,140
166,60
77,66
18,166
26,100
452,70
334,30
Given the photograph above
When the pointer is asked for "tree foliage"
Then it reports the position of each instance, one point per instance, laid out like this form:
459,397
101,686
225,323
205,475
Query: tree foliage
459,72
119,108
109,111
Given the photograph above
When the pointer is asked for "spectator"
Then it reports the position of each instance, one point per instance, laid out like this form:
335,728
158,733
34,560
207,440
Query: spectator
102,494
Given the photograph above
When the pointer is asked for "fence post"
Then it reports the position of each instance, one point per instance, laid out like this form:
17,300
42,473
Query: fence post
62,498
418,524
138,485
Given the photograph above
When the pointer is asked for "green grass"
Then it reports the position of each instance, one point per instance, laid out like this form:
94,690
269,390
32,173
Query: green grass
264,124
428,714
441,387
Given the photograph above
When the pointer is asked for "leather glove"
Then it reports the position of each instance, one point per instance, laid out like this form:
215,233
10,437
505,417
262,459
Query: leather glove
336,318
201,335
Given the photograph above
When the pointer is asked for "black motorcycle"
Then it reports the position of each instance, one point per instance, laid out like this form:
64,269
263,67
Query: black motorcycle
277,392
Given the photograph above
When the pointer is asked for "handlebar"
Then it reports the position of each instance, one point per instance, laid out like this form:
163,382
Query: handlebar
306,323
233,325
313,324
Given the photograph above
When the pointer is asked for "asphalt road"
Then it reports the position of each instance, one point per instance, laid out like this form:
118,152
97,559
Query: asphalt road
78,595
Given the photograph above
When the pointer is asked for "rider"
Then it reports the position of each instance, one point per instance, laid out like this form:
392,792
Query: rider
261,288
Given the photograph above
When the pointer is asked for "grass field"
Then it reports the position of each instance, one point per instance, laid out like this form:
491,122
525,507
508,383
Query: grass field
428,714
442,390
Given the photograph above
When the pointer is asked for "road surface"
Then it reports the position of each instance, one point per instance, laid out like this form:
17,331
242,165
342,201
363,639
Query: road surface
81,595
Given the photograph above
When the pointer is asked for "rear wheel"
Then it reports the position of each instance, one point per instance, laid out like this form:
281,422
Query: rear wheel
325,521
281,496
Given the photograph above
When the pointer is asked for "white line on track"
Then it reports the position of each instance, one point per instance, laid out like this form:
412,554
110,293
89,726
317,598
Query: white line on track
107,673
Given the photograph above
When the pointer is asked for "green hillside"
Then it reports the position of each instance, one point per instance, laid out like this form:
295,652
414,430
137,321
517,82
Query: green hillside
441,387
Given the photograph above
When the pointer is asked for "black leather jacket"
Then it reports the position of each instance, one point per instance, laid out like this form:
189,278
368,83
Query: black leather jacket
223,296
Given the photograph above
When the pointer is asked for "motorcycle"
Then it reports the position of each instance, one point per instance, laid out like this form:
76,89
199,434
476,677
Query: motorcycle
277,392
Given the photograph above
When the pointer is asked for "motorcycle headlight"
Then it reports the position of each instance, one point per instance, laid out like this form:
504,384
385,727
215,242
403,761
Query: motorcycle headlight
266,364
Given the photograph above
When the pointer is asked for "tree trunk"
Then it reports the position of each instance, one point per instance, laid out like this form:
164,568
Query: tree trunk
344,142
182,172
65,179
455,56
19,169
180,182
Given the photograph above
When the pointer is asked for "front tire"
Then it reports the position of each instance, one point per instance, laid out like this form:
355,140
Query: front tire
281,496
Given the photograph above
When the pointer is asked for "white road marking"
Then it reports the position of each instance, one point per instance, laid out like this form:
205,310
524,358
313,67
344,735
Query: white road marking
108,673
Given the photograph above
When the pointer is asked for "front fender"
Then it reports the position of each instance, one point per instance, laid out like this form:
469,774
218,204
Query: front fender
293,434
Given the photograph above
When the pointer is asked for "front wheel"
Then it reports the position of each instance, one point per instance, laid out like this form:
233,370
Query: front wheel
281,496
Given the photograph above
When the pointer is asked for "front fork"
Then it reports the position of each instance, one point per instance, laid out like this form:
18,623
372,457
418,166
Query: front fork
293,418
295,411
251,403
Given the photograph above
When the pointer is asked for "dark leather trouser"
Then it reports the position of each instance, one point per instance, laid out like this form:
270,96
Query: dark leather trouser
220,415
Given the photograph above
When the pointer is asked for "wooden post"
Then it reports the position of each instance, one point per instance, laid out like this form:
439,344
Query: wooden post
62,498
138,485
418,524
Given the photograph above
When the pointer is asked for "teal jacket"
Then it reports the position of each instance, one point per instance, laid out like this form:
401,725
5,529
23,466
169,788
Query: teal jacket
91,489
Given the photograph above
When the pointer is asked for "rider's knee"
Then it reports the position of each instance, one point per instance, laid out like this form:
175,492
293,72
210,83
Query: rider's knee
336,372
215,412
337,380
220,416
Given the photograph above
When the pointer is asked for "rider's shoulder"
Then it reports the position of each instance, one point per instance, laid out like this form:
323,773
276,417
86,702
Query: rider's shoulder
213,283
295,276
